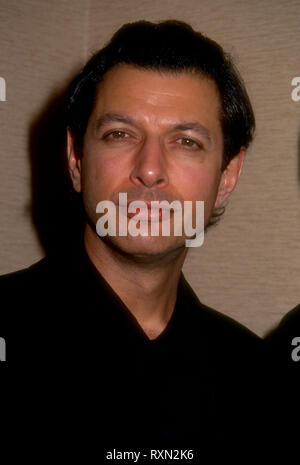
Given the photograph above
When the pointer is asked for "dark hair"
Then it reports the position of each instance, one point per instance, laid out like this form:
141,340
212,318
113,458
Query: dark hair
167,46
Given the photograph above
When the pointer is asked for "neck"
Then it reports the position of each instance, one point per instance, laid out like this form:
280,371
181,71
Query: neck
146,285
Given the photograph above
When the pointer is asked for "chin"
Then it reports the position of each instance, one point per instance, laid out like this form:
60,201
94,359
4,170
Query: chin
146,246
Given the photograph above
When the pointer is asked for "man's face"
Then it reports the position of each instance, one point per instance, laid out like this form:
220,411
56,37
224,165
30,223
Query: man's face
154,136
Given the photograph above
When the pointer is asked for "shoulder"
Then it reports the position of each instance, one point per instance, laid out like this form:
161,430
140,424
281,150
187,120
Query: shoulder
30,286
284,341
291,320
288,326
230,346
21,278
21,294
214,322
34,312
223,324
230,342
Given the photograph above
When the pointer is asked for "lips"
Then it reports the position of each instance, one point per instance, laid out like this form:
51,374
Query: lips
145,210
146,213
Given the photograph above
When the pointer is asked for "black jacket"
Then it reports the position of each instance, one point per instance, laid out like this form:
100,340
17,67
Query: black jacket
199,384
283,346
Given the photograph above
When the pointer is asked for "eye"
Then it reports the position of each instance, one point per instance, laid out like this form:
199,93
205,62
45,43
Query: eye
189,143
116,135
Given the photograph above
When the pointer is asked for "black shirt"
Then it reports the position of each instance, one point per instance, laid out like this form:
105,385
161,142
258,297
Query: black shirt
284,342
198,384
283,346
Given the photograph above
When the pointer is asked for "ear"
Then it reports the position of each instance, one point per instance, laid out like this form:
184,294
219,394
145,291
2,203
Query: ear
74,162
230,178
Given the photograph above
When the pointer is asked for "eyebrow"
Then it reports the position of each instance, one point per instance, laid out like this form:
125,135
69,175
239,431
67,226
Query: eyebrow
181,126
194,126
113,118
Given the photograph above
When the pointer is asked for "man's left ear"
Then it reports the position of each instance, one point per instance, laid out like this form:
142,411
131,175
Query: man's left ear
230,178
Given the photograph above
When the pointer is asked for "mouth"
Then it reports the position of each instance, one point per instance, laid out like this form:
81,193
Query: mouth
149,211
146,213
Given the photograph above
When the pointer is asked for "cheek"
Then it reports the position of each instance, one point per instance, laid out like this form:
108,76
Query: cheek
201,184
100,178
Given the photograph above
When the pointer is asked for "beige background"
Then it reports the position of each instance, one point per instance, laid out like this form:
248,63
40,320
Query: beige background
249,267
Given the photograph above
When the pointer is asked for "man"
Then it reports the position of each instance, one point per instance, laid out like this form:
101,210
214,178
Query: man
159,114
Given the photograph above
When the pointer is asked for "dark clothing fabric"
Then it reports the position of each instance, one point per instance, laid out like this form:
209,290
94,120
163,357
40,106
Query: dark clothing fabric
283,346
93,371
284,342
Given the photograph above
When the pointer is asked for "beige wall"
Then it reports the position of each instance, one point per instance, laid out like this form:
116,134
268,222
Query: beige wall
249,267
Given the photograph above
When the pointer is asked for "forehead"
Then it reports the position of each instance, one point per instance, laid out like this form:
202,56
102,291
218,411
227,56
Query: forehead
158,95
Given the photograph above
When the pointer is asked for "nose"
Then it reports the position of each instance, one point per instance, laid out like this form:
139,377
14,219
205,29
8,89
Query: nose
150,168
